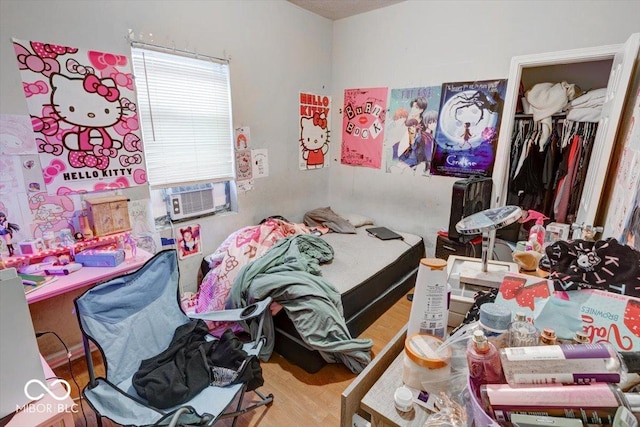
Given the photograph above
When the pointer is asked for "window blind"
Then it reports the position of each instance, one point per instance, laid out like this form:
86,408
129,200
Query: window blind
184,108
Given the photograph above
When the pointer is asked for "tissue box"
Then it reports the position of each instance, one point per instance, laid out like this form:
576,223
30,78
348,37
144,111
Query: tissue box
100,257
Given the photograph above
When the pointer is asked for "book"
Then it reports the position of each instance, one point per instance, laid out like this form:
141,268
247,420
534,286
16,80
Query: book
31,282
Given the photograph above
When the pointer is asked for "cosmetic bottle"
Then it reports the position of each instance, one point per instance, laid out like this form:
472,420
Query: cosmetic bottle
483,360
580,338
548,337
562,364
429,309
522,333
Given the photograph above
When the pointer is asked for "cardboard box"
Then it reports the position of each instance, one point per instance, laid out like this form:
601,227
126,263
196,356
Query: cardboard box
100,257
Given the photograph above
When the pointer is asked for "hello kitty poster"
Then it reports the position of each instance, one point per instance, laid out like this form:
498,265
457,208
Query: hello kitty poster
83,114
315,128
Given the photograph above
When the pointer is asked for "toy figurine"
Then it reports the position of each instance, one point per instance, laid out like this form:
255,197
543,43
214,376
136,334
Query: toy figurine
6,231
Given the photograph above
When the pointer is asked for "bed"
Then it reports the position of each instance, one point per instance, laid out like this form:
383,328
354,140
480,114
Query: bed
370,274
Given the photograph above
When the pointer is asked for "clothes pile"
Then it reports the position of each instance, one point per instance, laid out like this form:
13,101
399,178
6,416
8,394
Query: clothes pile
587,107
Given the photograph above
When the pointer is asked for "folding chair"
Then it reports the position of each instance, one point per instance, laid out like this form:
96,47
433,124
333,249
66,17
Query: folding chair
132,318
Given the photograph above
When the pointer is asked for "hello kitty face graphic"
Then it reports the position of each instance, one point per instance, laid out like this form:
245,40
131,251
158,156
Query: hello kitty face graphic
86,102
312,135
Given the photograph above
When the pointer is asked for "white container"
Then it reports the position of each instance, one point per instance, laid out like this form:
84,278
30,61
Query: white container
429,309
424,368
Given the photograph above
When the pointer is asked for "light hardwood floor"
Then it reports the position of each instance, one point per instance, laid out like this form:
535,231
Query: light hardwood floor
301,399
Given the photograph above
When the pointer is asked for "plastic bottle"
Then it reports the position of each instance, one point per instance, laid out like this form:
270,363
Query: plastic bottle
494,322
429,309
483,360
537,231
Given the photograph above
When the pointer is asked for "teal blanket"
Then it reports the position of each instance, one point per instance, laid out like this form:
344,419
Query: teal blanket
290,274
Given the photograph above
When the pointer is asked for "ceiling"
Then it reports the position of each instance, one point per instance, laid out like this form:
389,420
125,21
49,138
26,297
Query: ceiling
338,9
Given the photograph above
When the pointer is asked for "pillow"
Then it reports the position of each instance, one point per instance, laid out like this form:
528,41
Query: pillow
328,218
357,220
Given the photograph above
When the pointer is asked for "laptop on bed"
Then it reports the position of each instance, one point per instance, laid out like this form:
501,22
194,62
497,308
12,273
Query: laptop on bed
383,233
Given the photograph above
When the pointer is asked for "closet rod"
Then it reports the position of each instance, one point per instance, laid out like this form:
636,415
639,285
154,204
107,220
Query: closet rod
179,51
530,116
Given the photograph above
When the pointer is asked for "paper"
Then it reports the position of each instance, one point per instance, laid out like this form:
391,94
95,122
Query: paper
260,163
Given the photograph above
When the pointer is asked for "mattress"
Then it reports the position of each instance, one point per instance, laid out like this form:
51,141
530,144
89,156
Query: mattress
370,274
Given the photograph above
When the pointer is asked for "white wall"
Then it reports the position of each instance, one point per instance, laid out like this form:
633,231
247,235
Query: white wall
276,50
426,43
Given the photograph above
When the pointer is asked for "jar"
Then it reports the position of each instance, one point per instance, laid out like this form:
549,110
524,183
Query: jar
425,368
494,322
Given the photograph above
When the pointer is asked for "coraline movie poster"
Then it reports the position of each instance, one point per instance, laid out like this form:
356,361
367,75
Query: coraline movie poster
468,126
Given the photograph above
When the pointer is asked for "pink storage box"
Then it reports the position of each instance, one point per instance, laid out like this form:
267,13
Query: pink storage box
100,257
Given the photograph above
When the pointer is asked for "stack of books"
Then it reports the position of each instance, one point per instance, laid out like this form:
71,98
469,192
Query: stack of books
31,282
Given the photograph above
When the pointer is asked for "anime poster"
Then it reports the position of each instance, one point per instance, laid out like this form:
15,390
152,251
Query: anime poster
83,114
409,135
468,128
189,241
315,128
363,121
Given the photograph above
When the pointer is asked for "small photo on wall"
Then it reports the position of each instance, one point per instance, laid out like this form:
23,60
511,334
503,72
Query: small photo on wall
189,241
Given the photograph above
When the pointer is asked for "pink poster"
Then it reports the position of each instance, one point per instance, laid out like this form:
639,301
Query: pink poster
363,120
83,113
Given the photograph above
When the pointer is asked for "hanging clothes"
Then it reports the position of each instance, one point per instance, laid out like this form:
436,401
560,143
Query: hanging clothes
548,175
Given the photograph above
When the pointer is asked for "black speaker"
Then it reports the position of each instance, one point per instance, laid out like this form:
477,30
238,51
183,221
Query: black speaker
469,196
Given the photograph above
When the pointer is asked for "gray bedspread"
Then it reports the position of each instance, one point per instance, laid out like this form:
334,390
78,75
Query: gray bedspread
290,274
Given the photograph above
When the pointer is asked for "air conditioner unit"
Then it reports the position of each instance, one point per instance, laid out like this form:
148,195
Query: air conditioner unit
187,202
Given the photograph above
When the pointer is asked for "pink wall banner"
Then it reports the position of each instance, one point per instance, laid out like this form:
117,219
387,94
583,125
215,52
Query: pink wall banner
363,119
315,127
84,118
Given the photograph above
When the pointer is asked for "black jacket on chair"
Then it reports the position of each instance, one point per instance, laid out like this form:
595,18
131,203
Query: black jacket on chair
189,364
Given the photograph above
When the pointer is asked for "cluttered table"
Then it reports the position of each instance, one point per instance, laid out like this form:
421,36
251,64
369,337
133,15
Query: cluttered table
379,401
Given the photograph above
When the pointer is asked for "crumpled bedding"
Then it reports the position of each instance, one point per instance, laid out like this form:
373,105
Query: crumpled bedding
326,217
237,250
290,274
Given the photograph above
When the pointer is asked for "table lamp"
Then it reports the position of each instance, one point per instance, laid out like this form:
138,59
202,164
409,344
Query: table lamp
483,272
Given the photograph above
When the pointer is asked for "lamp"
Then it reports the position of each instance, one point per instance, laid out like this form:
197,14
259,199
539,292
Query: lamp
486,223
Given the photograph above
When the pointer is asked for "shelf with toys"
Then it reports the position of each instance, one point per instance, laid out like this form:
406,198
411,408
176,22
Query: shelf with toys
19,261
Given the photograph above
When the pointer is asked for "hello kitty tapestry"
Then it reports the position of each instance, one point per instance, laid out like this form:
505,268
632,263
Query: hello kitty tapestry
363,126
83,113
315,127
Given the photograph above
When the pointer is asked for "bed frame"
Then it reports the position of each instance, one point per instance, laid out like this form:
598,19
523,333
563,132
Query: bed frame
371,275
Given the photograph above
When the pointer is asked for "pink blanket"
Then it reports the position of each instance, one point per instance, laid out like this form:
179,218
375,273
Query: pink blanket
239,249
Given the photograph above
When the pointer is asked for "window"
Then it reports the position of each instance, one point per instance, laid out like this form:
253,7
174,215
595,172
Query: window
184,108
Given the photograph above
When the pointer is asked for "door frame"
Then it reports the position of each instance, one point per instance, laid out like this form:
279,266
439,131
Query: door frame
518,63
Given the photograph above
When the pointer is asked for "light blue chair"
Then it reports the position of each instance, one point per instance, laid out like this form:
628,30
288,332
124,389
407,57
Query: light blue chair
132,318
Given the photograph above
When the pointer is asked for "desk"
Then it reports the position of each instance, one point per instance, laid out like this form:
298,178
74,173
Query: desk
47,412
87,276
52,307
378,401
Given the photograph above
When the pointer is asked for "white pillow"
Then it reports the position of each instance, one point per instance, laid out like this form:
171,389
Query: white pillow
357,220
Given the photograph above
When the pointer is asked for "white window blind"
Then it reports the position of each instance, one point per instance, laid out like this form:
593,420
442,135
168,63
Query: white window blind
184,108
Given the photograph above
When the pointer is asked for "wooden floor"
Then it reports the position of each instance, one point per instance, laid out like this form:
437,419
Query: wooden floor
301,399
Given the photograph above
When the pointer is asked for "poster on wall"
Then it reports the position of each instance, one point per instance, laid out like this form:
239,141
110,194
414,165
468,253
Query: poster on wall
189,241
468,128
363,121
84,118
409,134
315,128
623,217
